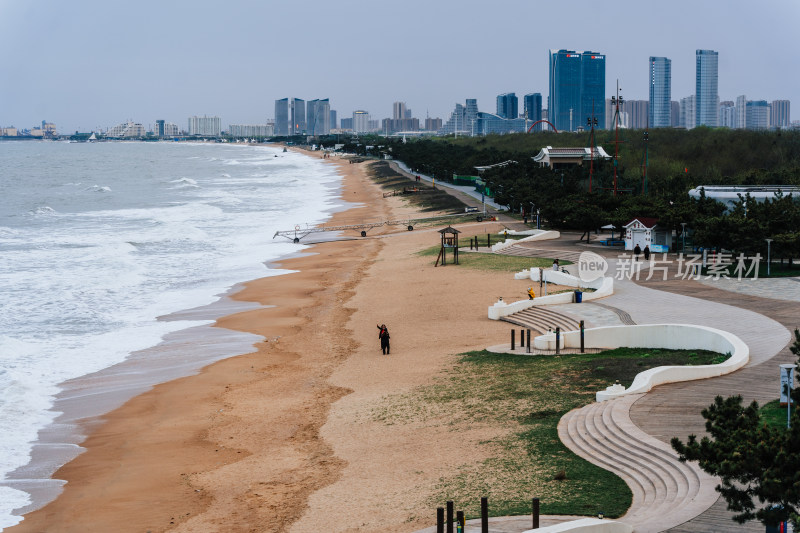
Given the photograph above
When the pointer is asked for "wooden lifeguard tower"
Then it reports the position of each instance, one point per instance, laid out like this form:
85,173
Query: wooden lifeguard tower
449,242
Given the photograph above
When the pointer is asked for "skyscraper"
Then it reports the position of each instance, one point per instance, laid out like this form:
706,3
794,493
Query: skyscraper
334,122
577,83
318,117
399,110
507,105
741,112
660,92
779,116
290,116
757,115
282,117
532,105
706,94
688,109
727,114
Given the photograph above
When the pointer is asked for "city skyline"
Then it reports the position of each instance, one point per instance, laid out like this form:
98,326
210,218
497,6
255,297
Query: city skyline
71,69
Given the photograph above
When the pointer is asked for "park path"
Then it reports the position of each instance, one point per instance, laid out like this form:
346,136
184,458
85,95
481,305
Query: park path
668,495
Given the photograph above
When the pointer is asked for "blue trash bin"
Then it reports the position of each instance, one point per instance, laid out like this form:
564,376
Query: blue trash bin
578,297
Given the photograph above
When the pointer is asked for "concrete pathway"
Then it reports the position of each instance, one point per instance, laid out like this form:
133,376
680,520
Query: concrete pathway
634,442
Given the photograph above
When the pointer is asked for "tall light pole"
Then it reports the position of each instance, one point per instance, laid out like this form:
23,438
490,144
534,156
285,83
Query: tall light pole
616,102
683,236
769,241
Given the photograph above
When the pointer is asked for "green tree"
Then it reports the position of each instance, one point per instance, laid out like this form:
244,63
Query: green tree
759,465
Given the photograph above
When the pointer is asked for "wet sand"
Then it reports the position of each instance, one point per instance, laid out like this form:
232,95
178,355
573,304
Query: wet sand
282,439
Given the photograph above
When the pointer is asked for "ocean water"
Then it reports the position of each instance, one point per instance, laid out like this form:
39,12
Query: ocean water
97,241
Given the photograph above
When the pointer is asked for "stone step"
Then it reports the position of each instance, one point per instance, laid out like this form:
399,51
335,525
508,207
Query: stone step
665,491
541,320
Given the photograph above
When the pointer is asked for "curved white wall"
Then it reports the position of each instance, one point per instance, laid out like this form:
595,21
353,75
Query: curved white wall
585,525
540,235
671,336
603,287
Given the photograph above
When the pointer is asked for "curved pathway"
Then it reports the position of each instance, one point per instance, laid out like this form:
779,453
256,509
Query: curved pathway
668,494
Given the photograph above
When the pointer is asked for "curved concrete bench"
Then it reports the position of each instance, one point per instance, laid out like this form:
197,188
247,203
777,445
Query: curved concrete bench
671,336
586,525
603,287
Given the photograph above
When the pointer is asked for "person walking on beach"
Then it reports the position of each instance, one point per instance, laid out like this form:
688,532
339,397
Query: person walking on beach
647,253
384,337
531,294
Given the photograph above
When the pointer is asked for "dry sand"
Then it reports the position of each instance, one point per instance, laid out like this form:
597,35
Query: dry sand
286,438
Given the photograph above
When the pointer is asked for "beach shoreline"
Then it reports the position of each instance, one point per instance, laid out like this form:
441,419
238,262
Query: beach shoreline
255,291
284,438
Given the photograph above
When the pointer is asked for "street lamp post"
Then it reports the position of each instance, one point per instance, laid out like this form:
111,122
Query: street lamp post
683,236
769,241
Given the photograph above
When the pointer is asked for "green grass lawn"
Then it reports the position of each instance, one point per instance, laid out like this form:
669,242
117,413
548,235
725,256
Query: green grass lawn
773,414
486,261
527,395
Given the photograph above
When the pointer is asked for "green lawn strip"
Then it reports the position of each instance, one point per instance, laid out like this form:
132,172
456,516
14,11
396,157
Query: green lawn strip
773,414
527,395
484,261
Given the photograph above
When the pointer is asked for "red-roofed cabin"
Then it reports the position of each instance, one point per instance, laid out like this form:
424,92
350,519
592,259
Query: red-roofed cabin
646,231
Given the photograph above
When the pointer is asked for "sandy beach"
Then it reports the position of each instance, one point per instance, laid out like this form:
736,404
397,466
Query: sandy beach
286,438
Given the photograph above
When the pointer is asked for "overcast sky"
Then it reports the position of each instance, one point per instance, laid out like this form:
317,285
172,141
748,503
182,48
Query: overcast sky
85,64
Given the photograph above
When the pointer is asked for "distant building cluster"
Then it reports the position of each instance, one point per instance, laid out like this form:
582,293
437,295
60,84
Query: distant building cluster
46,131
576,102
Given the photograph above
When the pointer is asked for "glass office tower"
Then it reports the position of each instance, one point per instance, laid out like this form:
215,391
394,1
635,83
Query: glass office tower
660,92
706,94
533,108
507,105
577,83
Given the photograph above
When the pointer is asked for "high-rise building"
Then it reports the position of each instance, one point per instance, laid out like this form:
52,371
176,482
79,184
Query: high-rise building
334,123
532,105
688,109
127,130
347,123
282,121
757,115
507,105
659,112
290,116
462,119
638,113
399,110
165,129
251,130
741,112
727,114
780,117
361,121
675,113
318,117
433,124
577,81
706,88
207,126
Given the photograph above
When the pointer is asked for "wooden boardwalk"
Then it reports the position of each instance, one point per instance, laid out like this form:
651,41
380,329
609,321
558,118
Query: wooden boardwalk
674,410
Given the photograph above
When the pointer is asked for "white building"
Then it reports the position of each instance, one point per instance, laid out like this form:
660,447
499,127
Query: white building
128,130
741,112
360,121
688,112
251,130
208,126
